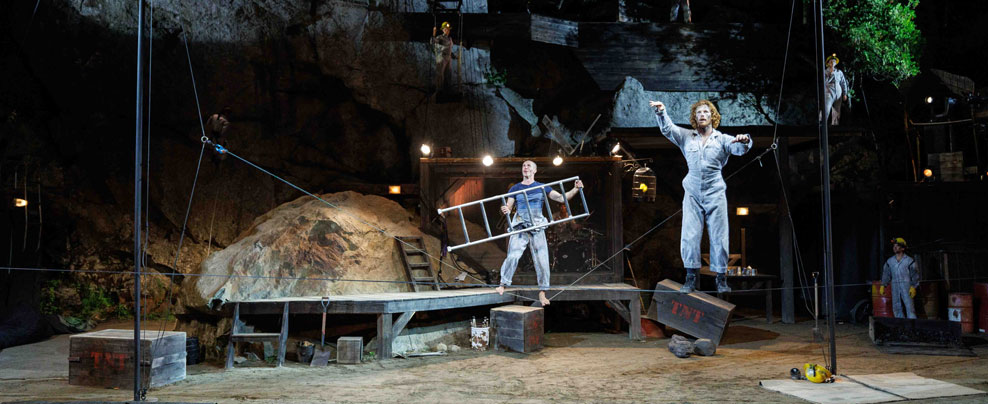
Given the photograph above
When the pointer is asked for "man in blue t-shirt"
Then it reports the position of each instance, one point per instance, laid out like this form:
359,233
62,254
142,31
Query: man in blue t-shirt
529,214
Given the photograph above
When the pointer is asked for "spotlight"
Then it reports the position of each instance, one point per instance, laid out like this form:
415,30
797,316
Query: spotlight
927,173
929,100
20,203
616,148
742,211
488,160
394,189
426,150
557,161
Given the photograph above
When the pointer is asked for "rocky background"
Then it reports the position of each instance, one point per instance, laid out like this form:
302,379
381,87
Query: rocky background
333,96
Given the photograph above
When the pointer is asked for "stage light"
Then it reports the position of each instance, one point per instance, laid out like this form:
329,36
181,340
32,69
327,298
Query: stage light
488,160
394,189
927,173
557,161
929,100
426,150
20,203
742,211
616,148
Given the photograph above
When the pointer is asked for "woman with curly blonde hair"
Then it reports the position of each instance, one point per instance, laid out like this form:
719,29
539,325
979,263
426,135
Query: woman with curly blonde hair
706,150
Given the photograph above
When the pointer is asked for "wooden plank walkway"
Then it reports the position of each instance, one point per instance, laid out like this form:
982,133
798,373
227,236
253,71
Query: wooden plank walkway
385,305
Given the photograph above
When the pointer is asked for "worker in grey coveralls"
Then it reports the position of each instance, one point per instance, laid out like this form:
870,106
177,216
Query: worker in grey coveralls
443,47
529,214
900,270
706,151
678,5
836,85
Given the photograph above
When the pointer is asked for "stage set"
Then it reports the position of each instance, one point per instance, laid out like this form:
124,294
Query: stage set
493,201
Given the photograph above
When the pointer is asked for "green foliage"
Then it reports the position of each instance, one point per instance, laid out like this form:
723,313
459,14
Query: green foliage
878,38
95,301
49,302
494,77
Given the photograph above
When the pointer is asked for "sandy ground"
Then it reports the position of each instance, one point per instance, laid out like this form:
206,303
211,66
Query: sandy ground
573,367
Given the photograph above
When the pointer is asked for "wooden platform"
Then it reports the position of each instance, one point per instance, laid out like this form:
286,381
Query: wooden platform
622,297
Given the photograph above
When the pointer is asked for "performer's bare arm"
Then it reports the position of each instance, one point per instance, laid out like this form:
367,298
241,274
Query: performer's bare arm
506,208
556,196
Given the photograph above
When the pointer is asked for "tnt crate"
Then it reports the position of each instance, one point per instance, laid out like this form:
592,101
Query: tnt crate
518,328
697,314
106,358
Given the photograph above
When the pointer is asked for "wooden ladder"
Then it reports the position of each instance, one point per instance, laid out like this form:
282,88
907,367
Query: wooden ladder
417,264
238,335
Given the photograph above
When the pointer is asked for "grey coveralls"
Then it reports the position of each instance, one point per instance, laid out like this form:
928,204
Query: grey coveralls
525,217
444,55
674,11
705,198
836,85
902,274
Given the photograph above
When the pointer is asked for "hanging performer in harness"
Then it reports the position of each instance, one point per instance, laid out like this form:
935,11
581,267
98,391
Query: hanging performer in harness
706,151
836,85
443,48
529,215
216,127
900,271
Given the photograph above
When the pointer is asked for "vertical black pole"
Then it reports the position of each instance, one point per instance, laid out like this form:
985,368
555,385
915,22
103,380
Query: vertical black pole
828,261
138,143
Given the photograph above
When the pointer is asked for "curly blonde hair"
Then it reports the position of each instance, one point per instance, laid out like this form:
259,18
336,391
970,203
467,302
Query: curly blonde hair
714,115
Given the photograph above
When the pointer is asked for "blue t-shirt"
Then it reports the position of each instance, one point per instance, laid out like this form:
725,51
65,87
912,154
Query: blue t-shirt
535,197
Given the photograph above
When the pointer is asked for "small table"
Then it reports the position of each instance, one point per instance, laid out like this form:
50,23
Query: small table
748,284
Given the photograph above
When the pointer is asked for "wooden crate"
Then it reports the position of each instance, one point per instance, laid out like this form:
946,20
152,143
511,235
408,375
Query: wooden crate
106,358
697,314
518,328
350,350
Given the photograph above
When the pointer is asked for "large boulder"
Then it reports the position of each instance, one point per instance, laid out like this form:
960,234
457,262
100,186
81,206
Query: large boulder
308,247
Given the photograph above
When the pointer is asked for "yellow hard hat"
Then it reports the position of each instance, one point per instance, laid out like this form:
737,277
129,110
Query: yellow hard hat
899,240
832,57
445,25
817,374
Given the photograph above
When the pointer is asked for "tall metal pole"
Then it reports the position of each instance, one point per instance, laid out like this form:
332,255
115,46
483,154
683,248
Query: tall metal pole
828,259
138,143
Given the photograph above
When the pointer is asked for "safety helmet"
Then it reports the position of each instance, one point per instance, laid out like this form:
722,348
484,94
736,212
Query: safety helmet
832,57
817,374
794,374
900,241
445,25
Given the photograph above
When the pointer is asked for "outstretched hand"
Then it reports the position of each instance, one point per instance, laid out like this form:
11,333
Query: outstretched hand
658,105
433,31
578,184
742,139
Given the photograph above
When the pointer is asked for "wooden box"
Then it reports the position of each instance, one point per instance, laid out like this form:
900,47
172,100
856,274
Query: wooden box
106,358
697,314
518,328
349,350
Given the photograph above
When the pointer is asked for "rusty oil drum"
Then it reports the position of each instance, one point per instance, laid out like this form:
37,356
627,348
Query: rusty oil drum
881,304
981,299
960,308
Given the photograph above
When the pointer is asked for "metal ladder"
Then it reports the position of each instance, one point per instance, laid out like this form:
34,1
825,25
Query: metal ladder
503,199
417,264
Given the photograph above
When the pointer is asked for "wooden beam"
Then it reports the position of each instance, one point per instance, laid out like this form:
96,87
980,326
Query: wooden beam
635,312
283,338
402,321
385,339
615,221
621,310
